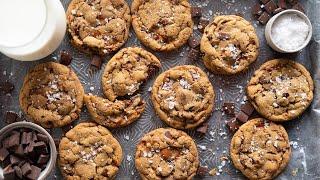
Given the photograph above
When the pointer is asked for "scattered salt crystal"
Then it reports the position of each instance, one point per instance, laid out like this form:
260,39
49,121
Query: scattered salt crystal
202,147
91,88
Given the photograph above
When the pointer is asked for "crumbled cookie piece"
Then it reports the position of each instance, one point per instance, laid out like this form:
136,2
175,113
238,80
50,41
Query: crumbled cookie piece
89,151
229,44
183,96
100,26
281,90
51,95
260,149
126,71
162,25
114,114
159,157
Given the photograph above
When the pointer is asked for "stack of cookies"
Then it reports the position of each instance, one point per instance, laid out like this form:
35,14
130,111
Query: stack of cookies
183,96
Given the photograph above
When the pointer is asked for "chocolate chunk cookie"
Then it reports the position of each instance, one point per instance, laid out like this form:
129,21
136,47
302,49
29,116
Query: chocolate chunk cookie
183,96
126,71
229,44
162,25
89,151
260,149
281,90
114,114
51,95
98,26
166,153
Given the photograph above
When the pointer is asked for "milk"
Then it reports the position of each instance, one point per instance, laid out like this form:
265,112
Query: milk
31,29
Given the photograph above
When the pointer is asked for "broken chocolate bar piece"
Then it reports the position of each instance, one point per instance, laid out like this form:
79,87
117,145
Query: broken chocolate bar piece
298,7
10,117
233,124
242,117
228,108
65,58
35,172
203,128
19,150
292,2
96,61
26,138
247,108
18,171
3,154
13,139
276,11
282,4
8,173
264,18
264,1
193,42
256,10
270,6
202,24
196,12
43,158
14,160
40,147
26,169
193,54
202,171
42,137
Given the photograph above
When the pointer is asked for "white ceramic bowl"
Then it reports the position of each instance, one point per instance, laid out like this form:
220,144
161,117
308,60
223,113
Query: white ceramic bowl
269,25
53,150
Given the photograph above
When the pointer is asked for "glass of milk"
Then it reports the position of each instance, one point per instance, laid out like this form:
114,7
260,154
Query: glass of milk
31,29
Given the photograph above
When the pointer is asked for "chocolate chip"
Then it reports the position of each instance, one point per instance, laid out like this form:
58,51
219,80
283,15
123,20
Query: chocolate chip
203,128
8,173
193,54
193,42
168,135
96,61
264,18
196,12
26,169
18,171
202,24
223,36
247,108
43,158
6,87
233,124
270,6
264,1
3,154
276,11
65,58
166,154
202,171
256,10
282,4
35,172
298,7
242,117
10,117
228,108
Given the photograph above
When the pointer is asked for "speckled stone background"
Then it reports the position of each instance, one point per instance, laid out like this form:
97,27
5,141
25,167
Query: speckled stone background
304,132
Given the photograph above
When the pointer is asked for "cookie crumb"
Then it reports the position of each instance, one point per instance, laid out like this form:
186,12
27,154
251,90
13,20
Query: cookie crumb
213,172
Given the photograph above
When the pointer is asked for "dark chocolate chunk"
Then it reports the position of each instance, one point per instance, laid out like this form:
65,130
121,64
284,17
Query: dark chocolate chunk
40,147
270,6
35,172
65,58
247,108
276,11
13,139
168,135
242,117
96,61
193,42
202,171
196,12
42,137
193,54
34,136
26,138
203,128
298,7
264,18
14,160
264,1
19,150
228,108
18,171
233,124
223,36
292,2
43,158
28,149
202,24
6,87
26,169
3,154
282,4
11,117
8,173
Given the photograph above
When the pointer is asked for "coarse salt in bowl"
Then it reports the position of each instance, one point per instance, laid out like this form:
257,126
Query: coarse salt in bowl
289,31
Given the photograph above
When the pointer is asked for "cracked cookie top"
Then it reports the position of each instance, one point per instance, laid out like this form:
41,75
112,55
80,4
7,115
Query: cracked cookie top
281,90
114,114
183,96
51,95
166,153
260,149
89,151
98,26
162,25
126,71
229,44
